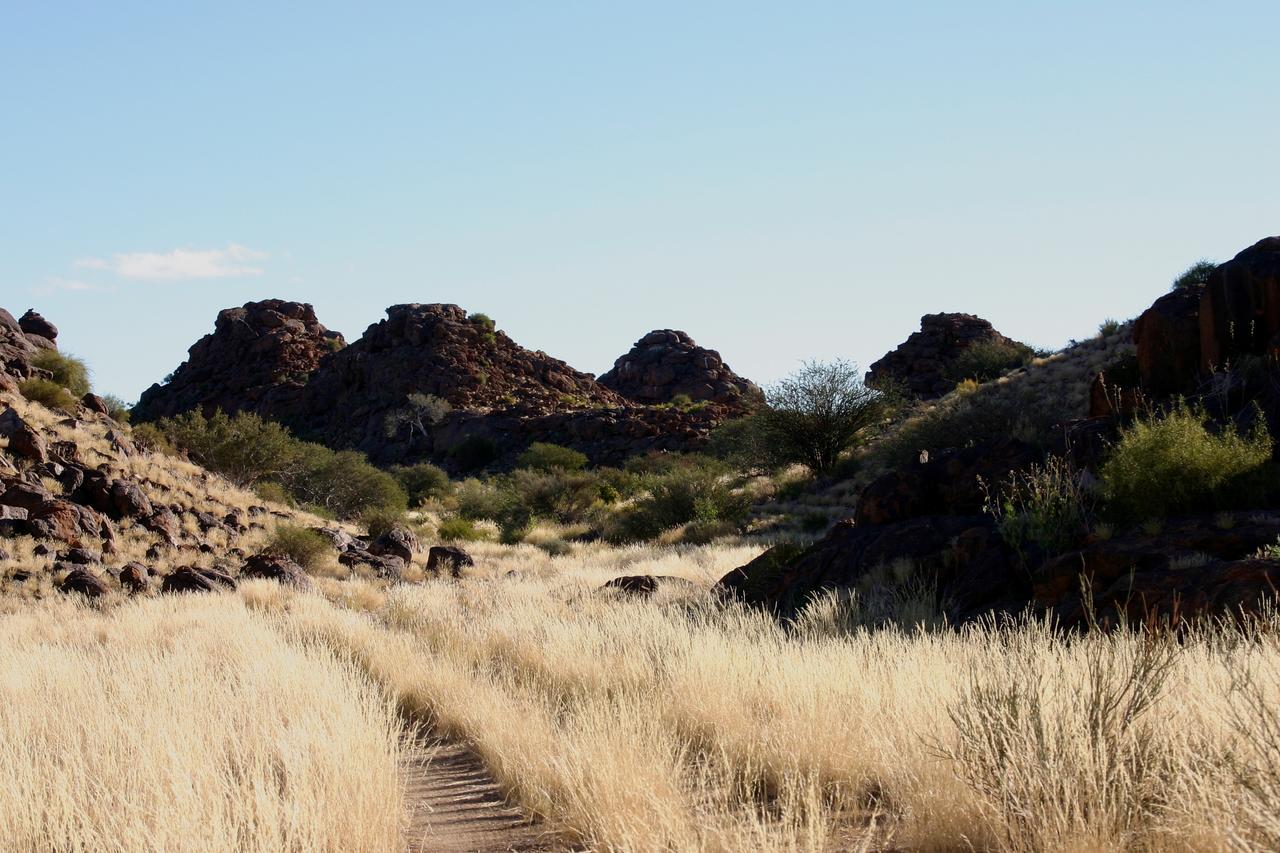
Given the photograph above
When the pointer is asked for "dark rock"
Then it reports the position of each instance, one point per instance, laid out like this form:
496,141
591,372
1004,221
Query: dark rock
387,567
84,582
191,579
1167,336
1240,307
339,539
24,440
135,578
396,542
645,585
16,352
449,558
32,323
129,501
66,521
922,363
80,556
165,523
277,568
94,403
666,363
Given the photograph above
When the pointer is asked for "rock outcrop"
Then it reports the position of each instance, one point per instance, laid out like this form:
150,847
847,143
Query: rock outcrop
429,378
666,364
256,359
922,364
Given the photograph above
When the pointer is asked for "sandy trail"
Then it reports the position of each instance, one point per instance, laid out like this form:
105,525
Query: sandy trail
455,805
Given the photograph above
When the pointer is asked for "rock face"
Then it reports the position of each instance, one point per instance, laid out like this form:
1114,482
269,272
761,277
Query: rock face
1240,307
1167,337
921,363
665,364
32,323
16,349
256,359
274,359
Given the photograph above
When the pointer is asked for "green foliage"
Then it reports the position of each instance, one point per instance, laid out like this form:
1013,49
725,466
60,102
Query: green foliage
269,490
304,546
987,360
1195,275
118,410
420,413
249,450
746,444
474,452
1172,464
422,482
1042,511
696,491
456,529
152,438
551,457
485,322
65,369
380,520
819,412
1108,327
48,393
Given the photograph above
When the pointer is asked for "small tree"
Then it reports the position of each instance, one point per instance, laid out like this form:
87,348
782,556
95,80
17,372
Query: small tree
1195,275
820,411
420,414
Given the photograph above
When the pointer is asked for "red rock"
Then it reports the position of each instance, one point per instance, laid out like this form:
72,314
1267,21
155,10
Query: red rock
666,363
449,558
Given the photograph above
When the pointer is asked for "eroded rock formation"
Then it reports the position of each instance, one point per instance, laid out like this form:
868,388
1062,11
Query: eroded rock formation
666,364
922,364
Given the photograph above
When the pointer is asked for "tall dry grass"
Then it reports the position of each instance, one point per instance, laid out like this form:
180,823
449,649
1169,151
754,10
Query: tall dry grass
187,724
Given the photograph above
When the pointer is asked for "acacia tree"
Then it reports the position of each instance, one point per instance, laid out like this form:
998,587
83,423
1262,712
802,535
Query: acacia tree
820,411
420,414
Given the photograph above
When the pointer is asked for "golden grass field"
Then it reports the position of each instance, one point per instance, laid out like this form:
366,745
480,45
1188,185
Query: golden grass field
269,719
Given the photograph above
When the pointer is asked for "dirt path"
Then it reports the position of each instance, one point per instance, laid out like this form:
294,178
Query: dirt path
455,806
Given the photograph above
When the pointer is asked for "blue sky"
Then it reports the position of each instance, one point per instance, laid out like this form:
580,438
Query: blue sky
782,181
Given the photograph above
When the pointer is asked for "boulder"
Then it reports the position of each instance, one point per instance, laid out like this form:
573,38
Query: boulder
84,582
66,521
80,556
164,523
386,567
339,539
95,404
1167,337
645,585
278,568
24,440
32,323
396,542
192,579
1240,308
451,558
129,501
135,578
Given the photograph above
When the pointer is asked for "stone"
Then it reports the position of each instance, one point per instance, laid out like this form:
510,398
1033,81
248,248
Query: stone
80,556
95,404
129,501
192,579
84,582
396,542
1240,307
66,521
32,323
278,568
164,523
451,558
135,578
24,440
1167,337
386,567
645,585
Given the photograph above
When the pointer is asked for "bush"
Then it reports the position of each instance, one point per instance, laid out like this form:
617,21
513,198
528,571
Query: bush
49,394
1042,511
422,482
118,410
745,443
988,360
152,438
474,452
379,521
1196,275
269,490
67,370
551,457
694,493
300,544
456,529
248,450
1173,464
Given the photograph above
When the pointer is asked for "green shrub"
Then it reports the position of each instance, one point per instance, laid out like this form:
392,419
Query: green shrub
118,410
745,444
422,482
67,370
1195,275
456,529
270,490
482,499
485,322
551,457
48,393
987,360
693,493
1042,511
474,452
1108,327
249,450
568,497
152,438
1173,464
378,521
301,544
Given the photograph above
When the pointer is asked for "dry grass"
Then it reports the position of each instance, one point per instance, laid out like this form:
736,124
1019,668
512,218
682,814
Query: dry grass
187,725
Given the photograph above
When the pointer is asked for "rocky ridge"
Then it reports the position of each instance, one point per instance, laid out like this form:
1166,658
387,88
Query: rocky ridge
921,363
667,364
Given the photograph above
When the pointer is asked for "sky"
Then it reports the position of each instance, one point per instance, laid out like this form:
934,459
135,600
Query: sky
784,181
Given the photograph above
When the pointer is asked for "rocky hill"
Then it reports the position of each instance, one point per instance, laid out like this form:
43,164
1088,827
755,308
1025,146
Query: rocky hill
667,364
923,363
424,380
256,359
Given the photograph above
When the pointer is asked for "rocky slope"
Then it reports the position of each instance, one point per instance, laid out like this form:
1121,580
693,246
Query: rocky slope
666,364
382,394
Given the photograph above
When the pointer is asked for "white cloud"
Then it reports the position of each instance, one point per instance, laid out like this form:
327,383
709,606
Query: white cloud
235,261
53,284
